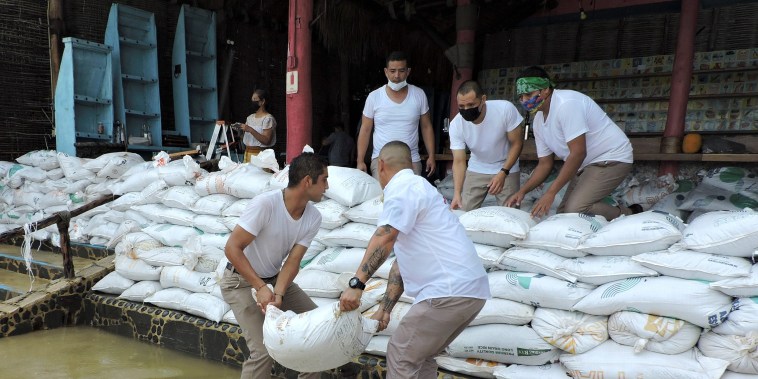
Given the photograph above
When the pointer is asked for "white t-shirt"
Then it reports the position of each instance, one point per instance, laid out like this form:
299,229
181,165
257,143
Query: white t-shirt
487,141
435,256
573,114
275,231
259,124
396,122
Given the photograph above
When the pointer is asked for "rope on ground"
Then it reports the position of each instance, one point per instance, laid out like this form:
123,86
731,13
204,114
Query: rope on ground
26,252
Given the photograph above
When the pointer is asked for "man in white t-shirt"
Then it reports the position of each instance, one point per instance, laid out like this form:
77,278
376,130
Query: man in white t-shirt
597,153
436,263
393,112
266,247
491,129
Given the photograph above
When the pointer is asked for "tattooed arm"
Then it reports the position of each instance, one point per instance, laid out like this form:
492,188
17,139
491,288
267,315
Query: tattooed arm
379,248
395,288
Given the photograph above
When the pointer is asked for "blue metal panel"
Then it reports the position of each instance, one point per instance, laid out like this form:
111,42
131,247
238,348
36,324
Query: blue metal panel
132,34
83,95
194,68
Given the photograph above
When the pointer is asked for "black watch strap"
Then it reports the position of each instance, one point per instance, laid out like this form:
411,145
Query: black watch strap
356,283
504,170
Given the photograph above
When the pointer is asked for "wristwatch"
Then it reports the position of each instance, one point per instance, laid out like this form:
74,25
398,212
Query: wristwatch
504,170
356,283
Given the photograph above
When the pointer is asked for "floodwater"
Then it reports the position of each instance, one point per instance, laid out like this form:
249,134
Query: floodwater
87,352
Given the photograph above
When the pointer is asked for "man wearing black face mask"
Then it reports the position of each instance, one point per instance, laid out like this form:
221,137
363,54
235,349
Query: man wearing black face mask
492,130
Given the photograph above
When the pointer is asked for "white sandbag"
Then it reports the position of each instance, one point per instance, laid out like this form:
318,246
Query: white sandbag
727,233
98,241
313,251
522,259
183,197
178,216
561,233
230,222
207,306
210,224
687,300
599,270
137,217
209,259
230,318
634,234
372,294
338,336
350,186
44,159
180,173
611,360
489,255
113,165
367,212
133,241
167,256
171,235
182,277
378,345
217,240
688,264
743,319
245,181
27,173
739,351
522,345
546,371
352,234
649,192
671,202
497,226
281,179
134,183
331,214
502,311
214,204
337,260
169,298
126,227
141,291
153,212
236,208
572,332
320,283
126,201
723,189
536,289
153,192
113,283
739,287
55,174
479,368
658,334
735,375
398,312
136,269
322,301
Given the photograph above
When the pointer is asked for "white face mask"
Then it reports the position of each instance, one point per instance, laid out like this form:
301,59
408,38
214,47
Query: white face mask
396,86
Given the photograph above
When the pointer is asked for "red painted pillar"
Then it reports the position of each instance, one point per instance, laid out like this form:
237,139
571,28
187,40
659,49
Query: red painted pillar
681,79
298,88
465,24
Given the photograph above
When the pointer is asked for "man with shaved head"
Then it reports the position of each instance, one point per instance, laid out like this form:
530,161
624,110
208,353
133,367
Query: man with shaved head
436,264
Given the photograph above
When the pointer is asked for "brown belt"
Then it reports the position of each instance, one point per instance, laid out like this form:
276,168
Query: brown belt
254,149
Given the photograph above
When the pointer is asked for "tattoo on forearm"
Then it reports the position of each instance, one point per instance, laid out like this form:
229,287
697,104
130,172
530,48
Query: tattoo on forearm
387,303
395,289
375,260
383,230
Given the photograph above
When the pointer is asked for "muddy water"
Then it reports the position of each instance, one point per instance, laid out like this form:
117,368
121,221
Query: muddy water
86,352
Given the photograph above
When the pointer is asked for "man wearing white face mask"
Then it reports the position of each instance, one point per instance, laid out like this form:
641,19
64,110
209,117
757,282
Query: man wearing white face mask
393,112
492,130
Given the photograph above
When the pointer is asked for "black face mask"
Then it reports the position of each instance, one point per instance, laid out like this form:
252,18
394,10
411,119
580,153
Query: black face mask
256,106
470,114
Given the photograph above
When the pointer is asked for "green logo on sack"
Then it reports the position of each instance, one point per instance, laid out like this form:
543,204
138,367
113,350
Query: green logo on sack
741,201
531,352
731,174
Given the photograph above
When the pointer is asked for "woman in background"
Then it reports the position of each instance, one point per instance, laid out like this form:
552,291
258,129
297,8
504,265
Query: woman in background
260,126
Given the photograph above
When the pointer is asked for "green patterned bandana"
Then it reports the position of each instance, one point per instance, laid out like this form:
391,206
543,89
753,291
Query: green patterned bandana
532,83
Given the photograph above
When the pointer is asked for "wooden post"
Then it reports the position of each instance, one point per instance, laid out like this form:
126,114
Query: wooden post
56,32
299,93
65,242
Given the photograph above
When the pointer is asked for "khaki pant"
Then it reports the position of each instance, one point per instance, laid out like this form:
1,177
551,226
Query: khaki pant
475,189
375,168
586,191
424,332
237,292
250,152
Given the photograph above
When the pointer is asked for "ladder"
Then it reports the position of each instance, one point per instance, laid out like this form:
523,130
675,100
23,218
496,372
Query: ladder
220,126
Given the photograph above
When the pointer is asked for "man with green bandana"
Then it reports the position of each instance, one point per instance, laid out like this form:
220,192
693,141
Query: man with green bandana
597,154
